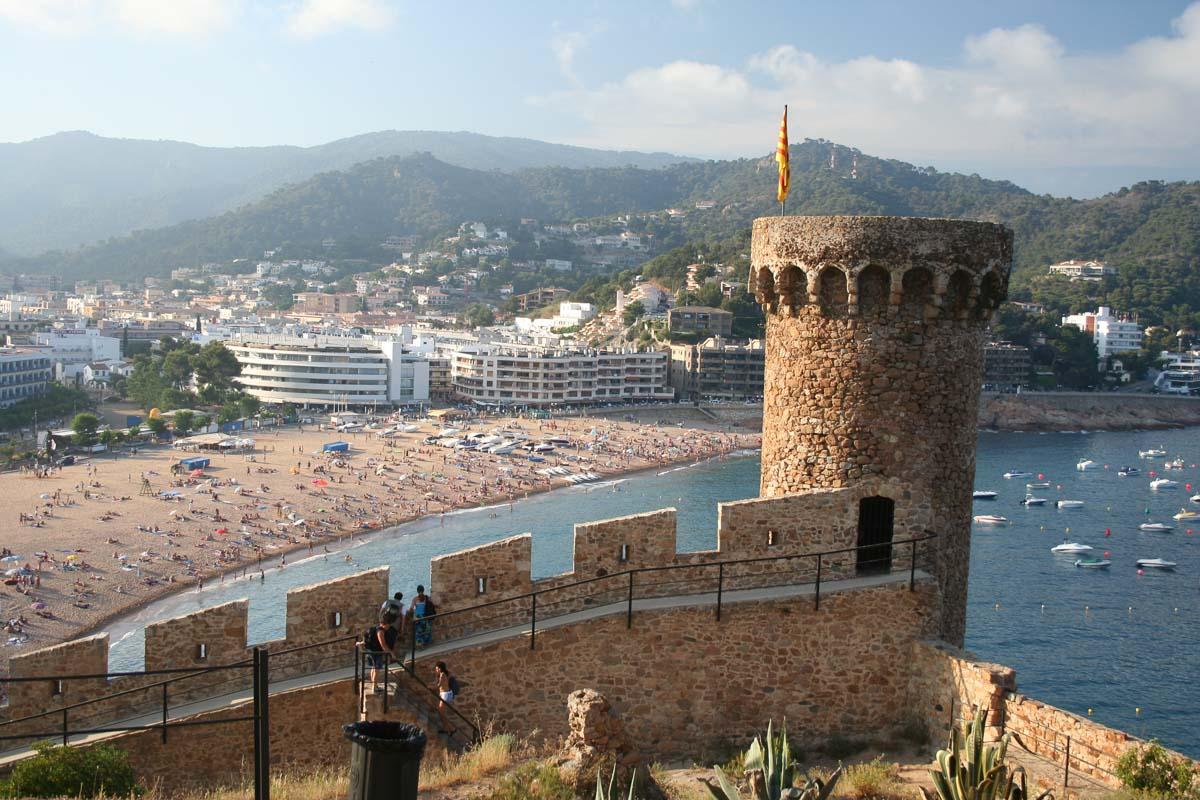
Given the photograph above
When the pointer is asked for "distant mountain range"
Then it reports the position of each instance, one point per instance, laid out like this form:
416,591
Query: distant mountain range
75,188
1151,230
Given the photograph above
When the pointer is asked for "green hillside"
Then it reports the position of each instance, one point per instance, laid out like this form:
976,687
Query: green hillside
74,188
1151,230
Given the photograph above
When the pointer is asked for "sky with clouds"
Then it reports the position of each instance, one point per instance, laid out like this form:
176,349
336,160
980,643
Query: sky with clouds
1067,97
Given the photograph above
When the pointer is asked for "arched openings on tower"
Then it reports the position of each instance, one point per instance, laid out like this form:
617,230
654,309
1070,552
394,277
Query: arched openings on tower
793,287
916,292
991,294
874,291
831,288
958,294
764,288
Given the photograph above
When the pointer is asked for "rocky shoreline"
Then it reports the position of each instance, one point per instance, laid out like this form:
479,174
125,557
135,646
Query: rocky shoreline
1071,411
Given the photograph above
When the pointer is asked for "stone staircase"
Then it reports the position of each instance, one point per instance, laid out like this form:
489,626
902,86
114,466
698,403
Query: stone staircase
411,701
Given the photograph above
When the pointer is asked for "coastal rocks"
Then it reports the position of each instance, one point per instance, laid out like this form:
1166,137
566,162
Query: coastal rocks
1072,411
597,741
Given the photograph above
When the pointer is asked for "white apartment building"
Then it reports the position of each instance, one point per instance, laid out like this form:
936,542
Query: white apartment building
1180,373
70,352
330,371
1082,270
515,375
1112,334
24,373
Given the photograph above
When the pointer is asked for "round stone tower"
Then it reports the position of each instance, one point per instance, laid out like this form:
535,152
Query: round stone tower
874,361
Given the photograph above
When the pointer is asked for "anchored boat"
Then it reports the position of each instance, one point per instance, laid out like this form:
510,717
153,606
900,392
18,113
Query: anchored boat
1093,563
1071,547
991,519
984,495
1155,563
1156,527
1070,504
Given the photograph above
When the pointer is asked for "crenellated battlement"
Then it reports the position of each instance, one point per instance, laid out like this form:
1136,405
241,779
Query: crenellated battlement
901,268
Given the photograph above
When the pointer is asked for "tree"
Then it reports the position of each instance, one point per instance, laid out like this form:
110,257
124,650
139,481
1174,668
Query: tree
633,312
146,384
229,412
157,425
185,421
85,426
478,315
177,367
135,431
108,437
250,405
215,365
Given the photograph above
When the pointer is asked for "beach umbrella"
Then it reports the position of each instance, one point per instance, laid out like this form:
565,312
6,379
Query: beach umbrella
222,530
320,482
37,605
196,473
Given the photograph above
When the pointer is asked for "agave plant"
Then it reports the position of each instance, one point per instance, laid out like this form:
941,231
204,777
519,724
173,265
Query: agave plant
771,772
610,793
968,769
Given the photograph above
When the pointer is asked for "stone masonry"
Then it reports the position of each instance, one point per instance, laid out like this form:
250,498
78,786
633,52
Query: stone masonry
874,362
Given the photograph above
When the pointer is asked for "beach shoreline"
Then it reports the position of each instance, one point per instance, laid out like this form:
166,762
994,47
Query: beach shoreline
645,448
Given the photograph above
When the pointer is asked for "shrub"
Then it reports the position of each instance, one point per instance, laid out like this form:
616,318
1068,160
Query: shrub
533,781
486,758
1151,768
874,780
839,747
73,772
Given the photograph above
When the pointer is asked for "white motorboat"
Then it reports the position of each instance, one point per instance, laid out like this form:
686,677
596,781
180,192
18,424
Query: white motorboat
1153,452
984,495
1071,547
991,519
1018,474
1086,464
1155,563
1038,485
1070,504
1033,501
1126,472
1187,516
1162,483
1176,464
1093,563
1195,498
1156,527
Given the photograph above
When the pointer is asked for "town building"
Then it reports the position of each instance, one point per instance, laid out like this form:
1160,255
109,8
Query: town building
539,298
142,330
717,369
517,375
71,351
330,371
1082,270
24,374
1111,333
322,303
1180,373
700,319
1006,366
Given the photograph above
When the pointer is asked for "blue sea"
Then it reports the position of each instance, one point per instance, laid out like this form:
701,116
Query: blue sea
1120,646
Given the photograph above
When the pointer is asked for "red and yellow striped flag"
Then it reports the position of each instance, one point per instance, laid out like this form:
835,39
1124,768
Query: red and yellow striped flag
781,157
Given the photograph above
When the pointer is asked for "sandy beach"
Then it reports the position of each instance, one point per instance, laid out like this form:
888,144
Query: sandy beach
91,541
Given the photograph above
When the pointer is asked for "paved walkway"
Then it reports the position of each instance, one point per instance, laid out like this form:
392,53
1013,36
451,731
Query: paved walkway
728,598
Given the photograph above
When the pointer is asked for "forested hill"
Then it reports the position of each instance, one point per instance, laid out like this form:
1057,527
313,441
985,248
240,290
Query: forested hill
1151,226
75,187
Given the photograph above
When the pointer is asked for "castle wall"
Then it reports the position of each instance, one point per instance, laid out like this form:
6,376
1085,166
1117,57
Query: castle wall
874,361
177,642
311,610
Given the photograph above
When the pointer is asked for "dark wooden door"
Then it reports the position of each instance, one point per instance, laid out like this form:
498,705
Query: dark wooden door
876,516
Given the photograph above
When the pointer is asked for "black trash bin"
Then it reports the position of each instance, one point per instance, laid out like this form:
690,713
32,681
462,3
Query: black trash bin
385,760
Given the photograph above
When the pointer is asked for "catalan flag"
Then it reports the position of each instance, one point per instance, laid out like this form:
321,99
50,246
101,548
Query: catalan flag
781,157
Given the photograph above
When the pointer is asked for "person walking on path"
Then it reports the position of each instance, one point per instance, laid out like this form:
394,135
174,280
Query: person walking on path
395,606
446,685
422,608
380,645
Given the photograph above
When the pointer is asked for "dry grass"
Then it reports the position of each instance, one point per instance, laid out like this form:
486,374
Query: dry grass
492,755
321,785
873,780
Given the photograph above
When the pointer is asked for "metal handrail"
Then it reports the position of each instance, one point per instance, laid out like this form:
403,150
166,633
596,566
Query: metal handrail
719,564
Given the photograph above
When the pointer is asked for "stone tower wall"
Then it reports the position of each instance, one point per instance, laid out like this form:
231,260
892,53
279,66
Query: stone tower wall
874,362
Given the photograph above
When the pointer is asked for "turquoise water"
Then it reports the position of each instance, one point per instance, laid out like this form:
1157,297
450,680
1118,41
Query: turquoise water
1110,641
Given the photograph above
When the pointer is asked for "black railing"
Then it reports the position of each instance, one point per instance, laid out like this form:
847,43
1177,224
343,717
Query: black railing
257,666
711,577
431,695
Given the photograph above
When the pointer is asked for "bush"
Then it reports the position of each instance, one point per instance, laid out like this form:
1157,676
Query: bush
874,780
73,772
533,781
1151,768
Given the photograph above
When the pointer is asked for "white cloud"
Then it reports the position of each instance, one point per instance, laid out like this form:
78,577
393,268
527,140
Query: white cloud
1016,97
565,45
71,17
318,17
